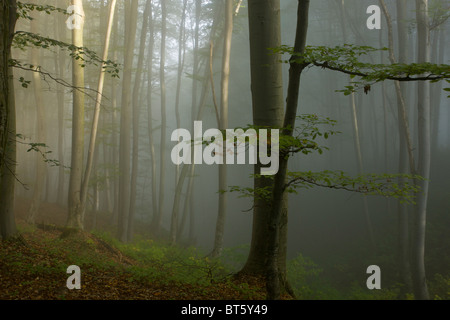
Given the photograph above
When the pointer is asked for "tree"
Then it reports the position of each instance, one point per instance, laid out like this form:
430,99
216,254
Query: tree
74,219
343,59
424,158
98,101
268,111
156,223
41,134
223,125
131,10
7,122
274,275
136,115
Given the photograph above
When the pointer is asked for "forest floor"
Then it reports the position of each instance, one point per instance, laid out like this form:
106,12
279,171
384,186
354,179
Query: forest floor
35,267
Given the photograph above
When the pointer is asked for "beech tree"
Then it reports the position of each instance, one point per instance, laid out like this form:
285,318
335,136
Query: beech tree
345,60
7,122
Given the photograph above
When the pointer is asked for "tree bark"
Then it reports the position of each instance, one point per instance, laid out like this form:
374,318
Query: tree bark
40,135
156,223
276,278
268,111
220,224
405,147
76,172
97,109
424,158
125,121
136,116
150,114
7,123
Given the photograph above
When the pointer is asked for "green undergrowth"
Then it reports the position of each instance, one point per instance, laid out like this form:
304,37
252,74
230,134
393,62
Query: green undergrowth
157,261
42,260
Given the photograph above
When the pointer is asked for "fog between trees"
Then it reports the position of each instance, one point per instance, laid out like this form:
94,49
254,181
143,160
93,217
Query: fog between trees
170,55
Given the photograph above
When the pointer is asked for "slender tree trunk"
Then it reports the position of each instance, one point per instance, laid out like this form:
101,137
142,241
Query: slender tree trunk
156,223
174,230
356,135
424,159
60,61
114,138
150,114
276,278
181,55
189,170
220,224
405,147
136,116
93,140
39,181
76,172
125,121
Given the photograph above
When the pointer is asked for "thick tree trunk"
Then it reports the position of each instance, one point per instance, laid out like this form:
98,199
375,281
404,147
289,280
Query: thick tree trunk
268,111
7,124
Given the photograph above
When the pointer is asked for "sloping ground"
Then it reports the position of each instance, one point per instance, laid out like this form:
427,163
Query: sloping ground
34,267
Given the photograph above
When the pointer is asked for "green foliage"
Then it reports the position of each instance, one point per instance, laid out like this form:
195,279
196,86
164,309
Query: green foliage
24,9
23,40
304,140
305,278
158,261
348,59
39,148
304,136
368,184
439,287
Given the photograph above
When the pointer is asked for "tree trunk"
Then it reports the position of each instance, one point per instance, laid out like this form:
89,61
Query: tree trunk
76,172
125,121
356,135
181,55
424,159
405,147
136,116
7,124
276,277
150,114
223,186
60,60
40,135
156,223
268,111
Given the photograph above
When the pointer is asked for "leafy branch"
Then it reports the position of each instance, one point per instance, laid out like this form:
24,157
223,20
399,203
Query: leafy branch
347,59
38,69
23,39
23,9
39,148
367,184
